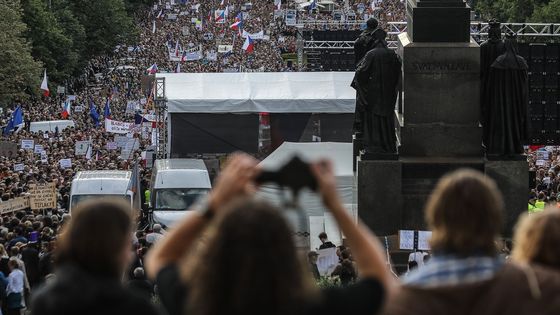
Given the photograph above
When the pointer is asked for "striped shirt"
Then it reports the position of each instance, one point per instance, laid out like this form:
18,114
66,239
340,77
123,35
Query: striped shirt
448,270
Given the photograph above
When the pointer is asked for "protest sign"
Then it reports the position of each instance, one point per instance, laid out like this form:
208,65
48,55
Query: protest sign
78,109
291,17
225,48
15,204
121,141
27,144
258,35
65,163
111,146
132,106
44,157
38,148
81,147
42,196
327,261
424,240
115,126
18,167
406,239
7,148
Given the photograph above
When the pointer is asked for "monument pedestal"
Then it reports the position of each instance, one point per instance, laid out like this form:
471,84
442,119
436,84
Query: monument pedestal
392,194
438,21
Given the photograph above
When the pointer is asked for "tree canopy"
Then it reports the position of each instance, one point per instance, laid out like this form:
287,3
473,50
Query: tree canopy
537,11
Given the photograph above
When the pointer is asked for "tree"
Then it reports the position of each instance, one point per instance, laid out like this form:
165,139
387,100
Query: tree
20,73
106,24
549,13
50,44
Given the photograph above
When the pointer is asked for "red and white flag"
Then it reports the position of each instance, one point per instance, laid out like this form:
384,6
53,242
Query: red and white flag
45,85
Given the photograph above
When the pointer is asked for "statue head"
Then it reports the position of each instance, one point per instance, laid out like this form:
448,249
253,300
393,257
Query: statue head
495,31
380,35
372,23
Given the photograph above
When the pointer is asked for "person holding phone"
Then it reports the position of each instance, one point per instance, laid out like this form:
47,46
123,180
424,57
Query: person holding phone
247,262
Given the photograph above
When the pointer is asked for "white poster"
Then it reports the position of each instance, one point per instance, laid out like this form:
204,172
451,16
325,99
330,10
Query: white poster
27,144
406,239
111,146
424,240
115,126
259,35
81,147
327,261
225,48
65,163
18,167
38,148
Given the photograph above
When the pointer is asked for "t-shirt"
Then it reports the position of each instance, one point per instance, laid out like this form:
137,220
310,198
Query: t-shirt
364,297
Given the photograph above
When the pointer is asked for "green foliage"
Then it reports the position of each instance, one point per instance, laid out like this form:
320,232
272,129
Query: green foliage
106,24
51,43
328,283
547,13
19,73
538,11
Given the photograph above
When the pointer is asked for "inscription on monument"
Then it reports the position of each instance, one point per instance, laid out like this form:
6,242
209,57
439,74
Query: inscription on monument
441,66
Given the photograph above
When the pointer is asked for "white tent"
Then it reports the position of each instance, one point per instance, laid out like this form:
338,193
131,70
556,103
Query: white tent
318,218
253,92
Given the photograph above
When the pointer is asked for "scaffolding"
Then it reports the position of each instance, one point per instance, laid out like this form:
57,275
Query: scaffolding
160,104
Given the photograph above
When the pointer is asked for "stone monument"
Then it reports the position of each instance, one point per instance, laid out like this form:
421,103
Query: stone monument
438,125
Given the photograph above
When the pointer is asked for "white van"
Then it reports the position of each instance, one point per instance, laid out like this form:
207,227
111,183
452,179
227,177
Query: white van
176,185
87,185
50,125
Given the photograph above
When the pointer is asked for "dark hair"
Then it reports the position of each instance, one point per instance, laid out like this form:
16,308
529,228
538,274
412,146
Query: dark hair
95,235
249,265
323,235
412,265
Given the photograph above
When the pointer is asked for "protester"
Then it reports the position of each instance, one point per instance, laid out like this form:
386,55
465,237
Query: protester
230,277
465,274
312,261
537,238
140,285
93,253
325,243
14,290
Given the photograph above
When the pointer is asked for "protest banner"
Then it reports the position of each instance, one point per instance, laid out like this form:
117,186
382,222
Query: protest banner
65,163
111,146
42,196
8,149
258,35
19,167
81,147
327,261
115,126
38,148
15,204
27,144
225,48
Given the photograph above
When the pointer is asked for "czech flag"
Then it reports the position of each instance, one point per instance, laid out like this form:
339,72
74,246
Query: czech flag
45,85
66,110
249,45
219,16
152,69
238,25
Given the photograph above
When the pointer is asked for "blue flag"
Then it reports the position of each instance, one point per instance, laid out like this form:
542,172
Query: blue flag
107,110
15,120
93,112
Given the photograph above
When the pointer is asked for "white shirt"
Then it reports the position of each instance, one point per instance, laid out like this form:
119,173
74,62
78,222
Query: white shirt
418,257
152,238
15,282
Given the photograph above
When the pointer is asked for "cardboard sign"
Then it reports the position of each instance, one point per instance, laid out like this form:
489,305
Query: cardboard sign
42,196
65,163
8,149
27,144
111,146
81,147
19,167
38,148
15,204
115,126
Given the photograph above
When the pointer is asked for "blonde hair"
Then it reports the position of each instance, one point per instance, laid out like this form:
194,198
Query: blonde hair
537,238
464,213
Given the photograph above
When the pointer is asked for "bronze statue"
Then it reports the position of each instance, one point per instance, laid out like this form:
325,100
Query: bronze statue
489,51
376,83
506,126
363,44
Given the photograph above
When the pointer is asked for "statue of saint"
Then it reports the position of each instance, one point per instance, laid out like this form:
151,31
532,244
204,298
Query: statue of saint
508,97
363,44
489,51
376,82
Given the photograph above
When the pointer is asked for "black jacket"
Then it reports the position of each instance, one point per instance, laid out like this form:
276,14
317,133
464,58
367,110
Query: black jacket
77,292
